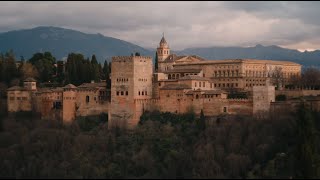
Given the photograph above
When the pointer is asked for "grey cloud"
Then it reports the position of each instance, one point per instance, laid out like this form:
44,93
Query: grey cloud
186,24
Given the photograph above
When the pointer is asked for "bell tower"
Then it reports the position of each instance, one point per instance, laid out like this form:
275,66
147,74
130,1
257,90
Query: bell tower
163,50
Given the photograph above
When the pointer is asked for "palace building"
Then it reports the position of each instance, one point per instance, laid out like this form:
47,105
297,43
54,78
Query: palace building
182,83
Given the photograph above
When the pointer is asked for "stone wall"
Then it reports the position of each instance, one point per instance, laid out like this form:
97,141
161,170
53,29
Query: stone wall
262,97
19,101
131,79
297,93
69,105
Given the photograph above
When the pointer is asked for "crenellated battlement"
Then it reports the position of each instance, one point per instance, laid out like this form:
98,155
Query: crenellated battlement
129,58
239,100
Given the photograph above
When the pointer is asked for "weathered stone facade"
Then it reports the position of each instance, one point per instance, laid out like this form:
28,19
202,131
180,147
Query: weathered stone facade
181,84
64,103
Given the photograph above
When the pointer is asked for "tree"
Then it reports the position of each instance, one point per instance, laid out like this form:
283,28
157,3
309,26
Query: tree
307,158
28,70
156,62
202,121
44,63
277,77
106,71
9,69
95,72
311,78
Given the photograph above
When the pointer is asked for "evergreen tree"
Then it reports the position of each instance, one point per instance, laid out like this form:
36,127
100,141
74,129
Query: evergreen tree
156,62
307,158
94,69
106,71
201,122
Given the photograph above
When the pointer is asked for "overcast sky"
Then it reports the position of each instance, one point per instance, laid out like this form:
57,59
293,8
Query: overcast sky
294,25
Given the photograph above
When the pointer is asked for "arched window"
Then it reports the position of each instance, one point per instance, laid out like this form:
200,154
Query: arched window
87,99
197,96
173,76
169,77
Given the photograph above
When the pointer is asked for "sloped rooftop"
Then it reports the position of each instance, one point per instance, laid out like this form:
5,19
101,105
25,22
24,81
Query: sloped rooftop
71,86
30,79
194,77
16,88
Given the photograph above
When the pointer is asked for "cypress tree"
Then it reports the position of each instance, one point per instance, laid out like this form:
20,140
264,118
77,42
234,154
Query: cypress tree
156,62
201,122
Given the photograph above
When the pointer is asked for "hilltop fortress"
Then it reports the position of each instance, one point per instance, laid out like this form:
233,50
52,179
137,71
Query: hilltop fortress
176,84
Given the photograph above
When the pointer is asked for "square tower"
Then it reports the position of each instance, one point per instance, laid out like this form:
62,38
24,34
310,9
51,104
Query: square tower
131,80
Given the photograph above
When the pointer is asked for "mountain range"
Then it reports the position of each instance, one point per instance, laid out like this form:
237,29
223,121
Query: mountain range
60,42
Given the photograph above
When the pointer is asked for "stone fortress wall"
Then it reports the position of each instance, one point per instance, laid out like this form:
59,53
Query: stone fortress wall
181,84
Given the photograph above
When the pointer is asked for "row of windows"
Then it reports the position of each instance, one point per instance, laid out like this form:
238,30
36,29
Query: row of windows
173,76
269,74
140,79
69,98
19,98
142,93
257,80
203,84
176,76
226,73
88,99
122,79
226,85
227,67
190,74
121,93
164,52
250,85
231,79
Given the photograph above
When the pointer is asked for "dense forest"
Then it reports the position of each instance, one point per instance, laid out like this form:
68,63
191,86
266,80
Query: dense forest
163,145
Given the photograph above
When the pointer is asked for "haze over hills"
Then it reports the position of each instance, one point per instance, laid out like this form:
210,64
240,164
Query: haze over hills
60,42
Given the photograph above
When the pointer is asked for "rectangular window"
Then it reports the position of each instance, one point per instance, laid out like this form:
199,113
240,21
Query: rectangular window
121,93
204,84
11,98
224,109
117,93
18,98
199,84
126,93
146,93
195,84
